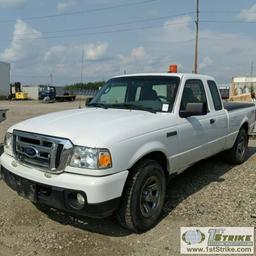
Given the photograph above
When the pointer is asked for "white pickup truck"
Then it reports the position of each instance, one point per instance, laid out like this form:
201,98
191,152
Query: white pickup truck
117,154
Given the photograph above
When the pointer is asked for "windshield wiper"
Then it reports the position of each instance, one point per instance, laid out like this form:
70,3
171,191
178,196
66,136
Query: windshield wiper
98,105
132,107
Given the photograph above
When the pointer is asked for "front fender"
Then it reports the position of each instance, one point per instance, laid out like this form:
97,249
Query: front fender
153,146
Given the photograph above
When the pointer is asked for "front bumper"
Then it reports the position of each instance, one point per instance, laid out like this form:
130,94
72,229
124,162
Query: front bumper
101,193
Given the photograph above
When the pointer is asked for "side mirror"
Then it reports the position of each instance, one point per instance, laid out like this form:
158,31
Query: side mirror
194,109
88,100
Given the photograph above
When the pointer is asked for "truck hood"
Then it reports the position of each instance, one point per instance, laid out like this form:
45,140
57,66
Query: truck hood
95,127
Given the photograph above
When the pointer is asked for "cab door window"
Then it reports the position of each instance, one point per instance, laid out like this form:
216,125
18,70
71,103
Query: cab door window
193,93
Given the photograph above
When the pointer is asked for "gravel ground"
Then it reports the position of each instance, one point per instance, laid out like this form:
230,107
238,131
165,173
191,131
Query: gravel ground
211,193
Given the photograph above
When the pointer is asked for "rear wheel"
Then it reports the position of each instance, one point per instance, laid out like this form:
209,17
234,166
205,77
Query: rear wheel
143,198
237,154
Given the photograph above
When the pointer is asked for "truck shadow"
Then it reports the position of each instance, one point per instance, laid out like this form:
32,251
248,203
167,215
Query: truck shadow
197,177
179,188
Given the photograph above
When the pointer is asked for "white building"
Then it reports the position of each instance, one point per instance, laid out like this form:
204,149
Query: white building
5,69
244,85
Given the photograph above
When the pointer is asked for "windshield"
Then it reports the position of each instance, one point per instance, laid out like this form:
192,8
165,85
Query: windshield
149,93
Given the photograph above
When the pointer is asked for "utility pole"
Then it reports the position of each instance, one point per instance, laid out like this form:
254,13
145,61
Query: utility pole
82,78
197,34
252,86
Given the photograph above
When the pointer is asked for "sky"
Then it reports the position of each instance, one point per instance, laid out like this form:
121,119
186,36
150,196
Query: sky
50,38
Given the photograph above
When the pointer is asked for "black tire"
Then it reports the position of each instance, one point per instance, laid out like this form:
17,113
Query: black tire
237,154
143,197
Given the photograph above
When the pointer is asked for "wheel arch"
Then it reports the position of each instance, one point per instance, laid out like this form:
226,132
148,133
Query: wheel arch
245,126
158,156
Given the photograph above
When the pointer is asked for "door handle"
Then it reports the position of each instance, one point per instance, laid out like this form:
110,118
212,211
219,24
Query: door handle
212,121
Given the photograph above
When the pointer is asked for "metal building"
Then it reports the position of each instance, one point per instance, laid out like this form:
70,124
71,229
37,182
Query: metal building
242,88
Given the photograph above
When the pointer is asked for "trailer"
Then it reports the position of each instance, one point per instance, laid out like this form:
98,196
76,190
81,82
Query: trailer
55,93
5,69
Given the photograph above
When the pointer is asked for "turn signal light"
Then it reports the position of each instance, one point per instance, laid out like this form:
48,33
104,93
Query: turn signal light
105,160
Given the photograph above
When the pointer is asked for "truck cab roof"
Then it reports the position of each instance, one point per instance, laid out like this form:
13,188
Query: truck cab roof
181,75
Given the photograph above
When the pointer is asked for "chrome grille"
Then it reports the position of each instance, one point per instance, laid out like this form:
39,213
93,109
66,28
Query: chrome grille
50,153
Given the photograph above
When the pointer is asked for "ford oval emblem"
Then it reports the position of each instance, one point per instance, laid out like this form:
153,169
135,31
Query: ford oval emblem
30,152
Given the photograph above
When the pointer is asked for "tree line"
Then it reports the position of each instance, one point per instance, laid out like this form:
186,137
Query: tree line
85,86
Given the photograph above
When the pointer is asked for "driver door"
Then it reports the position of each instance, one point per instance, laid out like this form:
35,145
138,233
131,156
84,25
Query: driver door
192,132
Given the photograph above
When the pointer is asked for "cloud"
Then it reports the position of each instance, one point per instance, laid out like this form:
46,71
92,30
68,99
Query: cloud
138,54
249,14
171,29
206,62
95,51
175,43
171,43
11,3
22,49
34,56
65,5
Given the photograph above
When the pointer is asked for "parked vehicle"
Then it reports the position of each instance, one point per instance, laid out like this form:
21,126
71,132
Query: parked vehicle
116,155
3,114
16,93
54,93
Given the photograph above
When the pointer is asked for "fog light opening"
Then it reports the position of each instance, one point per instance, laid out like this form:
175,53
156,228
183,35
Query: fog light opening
80,199
76,200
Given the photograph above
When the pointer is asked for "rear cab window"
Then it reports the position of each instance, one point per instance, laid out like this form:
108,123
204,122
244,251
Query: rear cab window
215,95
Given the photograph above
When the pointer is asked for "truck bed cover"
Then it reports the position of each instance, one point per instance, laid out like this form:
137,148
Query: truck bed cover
231,106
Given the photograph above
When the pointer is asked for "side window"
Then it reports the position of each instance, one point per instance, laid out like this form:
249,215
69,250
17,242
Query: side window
215,95
193,93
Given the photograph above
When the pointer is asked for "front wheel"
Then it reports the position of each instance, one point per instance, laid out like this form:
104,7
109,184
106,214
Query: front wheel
143,197
237,154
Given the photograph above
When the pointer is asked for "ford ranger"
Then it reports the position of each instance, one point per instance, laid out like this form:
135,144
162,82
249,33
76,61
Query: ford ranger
116,155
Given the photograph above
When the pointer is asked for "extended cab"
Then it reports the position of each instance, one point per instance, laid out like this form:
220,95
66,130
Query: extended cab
117,154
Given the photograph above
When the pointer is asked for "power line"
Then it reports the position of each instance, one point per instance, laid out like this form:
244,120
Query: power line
228,21
82,11
24,65
225,12
108,25
94,33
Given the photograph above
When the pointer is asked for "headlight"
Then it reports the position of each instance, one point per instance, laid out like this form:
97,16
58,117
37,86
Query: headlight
91,158
8,143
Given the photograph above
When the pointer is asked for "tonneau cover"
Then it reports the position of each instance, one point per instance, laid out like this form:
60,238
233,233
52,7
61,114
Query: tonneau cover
230,106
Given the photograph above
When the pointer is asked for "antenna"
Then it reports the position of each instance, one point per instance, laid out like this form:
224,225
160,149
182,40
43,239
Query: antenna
197,35
82,66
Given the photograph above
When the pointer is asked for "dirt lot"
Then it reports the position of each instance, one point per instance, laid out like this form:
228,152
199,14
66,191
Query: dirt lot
211,193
